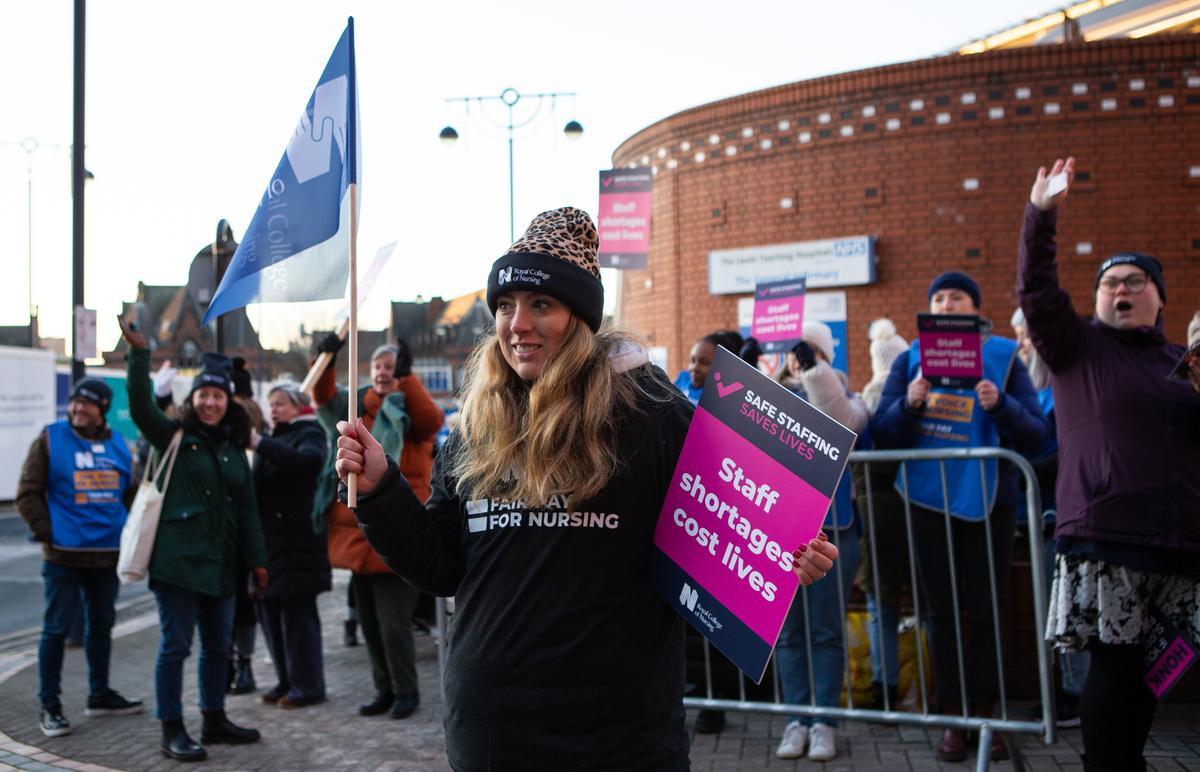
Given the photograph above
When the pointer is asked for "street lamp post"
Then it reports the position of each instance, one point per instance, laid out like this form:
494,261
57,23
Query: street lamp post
29,145
510,97
77,179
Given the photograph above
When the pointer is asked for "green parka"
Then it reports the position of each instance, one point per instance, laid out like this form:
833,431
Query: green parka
209,534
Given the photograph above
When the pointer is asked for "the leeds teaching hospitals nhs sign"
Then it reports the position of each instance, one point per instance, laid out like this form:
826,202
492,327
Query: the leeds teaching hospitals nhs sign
829,263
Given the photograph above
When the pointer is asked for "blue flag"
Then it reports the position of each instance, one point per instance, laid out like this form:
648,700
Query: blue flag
298,243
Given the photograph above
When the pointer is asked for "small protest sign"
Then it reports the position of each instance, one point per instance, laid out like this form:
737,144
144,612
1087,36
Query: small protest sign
624,218
778,315
1168,654
754,481
951,349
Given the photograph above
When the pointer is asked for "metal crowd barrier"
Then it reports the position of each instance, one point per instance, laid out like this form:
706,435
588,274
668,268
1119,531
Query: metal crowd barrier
985,726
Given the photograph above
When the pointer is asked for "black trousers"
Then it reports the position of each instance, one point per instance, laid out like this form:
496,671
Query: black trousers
980,657
1116,709
292,628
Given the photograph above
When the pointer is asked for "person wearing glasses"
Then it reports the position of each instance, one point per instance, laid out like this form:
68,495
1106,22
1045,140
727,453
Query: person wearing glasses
1128,497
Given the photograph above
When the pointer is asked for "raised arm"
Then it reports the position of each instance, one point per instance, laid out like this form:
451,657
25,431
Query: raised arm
1053,324
151,421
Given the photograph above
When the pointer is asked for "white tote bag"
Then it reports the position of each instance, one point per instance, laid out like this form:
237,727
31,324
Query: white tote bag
137,537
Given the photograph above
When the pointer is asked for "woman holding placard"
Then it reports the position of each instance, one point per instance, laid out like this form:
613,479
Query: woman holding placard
817,620
1001,411
561,655
1128,497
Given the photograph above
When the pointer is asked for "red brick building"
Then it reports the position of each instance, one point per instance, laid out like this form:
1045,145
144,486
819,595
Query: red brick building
934,159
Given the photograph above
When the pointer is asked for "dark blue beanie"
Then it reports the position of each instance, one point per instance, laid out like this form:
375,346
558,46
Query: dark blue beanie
1148,263
216,370
955,280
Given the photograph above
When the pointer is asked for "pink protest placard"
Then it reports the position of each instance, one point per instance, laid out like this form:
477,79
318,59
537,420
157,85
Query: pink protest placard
1168,654
778,314
754,480
623,218
951,349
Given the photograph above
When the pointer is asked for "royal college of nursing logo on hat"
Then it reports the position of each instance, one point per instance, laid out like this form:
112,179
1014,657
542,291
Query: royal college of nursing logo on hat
511,274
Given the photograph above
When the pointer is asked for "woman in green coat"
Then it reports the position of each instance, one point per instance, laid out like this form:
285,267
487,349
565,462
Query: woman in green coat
208,540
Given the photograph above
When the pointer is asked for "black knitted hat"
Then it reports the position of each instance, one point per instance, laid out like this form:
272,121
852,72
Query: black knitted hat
557,256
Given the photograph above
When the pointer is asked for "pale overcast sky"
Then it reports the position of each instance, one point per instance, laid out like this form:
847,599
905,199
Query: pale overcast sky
190,106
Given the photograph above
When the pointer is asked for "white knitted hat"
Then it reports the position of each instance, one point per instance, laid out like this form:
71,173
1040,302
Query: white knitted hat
886,345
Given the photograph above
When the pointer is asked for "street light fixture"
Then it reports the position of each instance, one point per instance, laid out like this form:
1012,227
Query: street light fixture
510,97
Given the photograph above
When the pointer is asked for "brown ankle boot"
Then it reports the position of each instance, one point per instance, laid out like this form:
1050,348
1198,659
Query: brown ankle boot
998,749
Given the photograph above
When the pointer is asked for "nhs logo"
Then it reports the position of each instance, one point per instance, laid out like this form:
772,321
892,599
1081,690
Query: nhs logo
850,248
688,597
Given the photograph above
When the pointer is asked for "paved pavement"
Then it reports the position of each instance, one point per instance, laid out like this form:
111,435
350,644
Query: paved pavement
333,736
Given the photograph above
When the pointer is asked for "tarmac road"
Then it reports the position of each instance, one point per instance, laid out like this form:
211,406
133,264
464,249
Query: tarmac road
21,579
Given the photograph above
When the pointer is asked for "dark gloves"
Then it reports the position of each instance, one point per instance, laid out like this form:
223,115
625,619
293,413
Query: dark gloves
403,359
750,352
330,344
805,355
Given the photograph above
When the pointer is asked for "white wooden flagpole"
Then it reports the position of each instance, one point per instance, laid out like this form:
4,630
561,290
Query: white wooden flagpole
352,357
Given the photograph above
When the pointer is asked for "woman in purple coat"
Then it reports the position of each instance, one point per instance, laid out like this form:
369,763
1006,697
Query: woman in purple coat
1128,495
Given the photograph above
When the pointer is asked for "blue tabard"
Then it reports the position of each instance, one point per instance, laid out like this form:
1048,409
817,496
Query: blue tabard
86,481
683,382
954,419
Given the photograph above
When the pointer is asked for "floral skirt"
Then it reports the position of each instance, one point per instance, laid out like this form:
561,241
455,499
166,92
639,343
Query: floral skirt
1093,599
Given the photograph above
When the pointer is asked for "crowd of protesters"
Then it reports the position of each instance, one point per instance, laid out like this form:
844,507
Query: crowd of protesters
560,652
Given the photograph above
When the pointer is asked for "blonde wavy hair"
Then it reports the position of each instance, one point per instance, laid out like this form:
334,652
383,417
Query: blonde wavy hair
556,435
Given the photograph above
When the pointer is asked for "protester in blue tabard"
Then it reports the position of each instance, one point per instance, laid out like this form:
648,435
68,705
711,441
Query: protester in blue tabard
808,373
1003,411
73,493
691,381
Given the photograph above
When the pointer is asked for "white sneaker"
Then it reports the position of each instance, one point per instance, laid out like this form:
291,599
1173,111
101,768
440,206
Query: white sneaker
822,743
791,746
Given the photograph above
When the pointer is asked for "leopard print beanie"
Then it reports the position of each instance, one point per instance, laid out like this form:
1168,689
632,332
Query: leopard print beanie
557,256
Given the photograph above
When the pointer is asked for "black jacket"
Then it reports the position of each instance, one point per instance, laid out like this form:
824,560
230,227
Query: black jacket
561,655
286,466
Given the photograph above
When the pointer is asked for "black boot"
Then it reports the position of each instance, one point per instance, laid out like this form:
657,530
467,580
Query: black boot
244,681
219,729
381,704
177,745
1137,766
350,637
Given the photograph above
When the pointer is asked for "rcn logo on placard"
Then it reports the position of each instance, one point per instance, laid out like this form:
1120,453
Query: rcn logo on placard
724,391
308,152
688,597
84,460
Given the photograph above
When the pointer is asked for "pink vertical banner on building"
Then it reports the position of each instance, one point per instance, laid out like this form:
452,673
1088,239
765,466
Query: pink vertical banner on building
624,218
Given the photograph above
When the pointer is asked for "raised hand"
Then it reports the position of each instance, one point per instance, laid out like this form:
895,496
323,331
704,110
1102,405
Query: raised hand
130,333
1040,195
